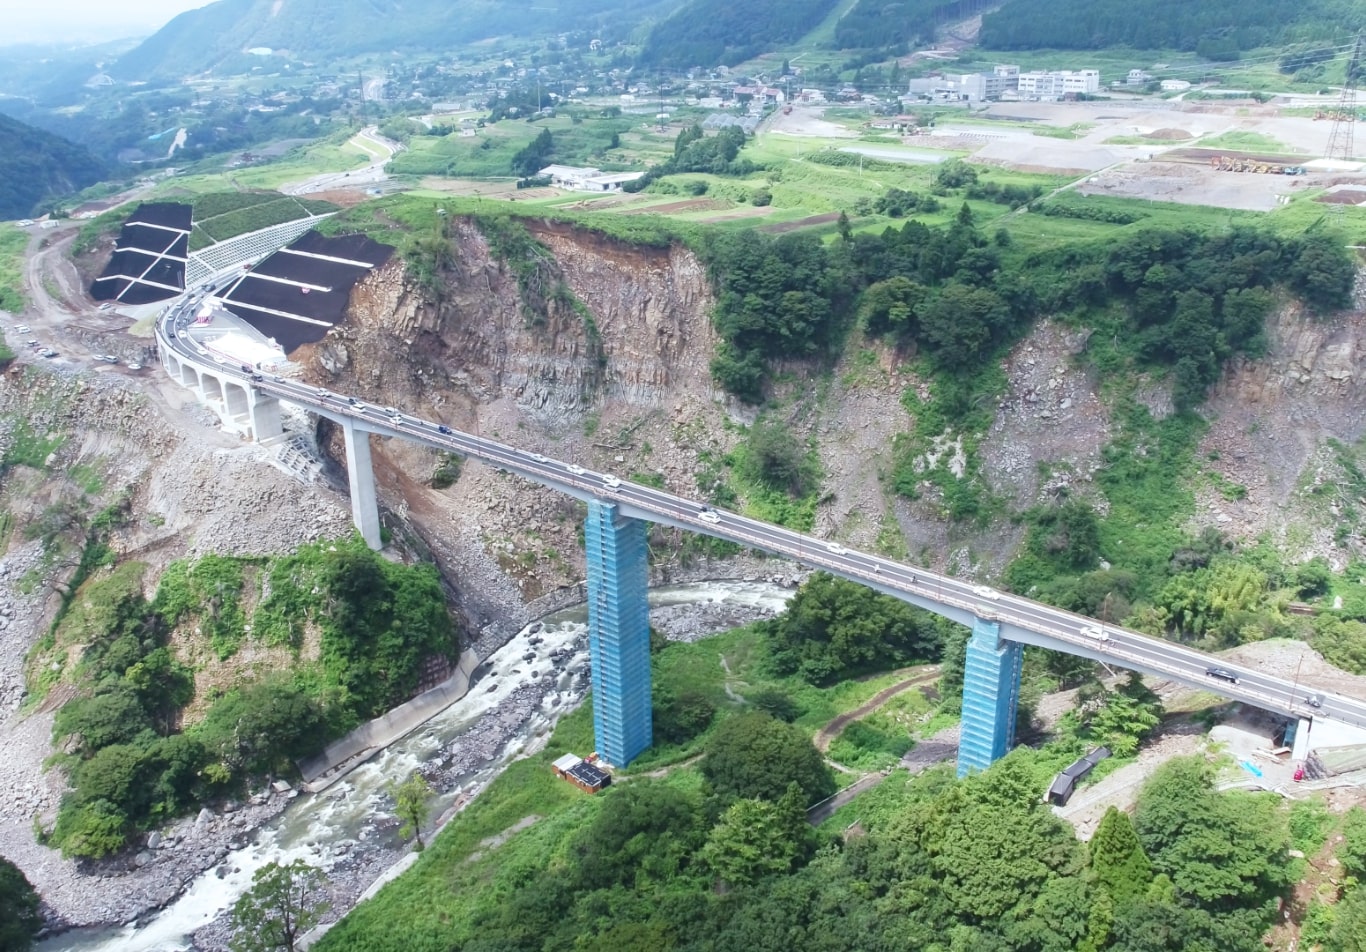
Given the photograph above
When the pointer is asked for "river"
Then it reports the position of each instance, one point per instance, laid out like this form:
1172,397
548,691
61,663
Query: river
521,689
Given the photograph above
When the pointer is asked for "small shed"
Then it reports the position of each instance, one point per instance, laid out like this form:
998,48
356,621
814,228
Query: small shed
1065,783
581,773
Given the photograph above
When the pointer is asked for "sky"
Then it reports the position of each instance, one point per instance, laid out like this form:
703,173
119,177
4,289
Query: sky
86,21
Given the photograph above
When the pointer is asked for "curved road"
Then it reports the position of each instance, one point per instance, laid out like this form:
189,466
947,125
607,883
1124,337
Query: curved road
1021,619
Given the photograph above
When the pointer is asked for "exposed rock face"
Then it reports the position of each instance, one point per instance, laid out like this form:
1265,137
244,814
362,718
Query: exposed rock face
598,352
642,332
1271,423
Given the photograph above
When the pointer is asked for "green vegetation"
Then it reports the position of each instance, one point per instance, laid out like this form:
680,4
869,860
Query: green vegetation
283,903
20,917
659,865
13,244
128,765
219,216
37,168
755,756
715,32
833,629
1215,29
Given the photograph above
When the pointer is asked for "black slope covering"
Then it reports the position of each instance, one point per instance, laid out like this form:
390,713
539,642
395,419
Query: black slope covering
148,263
312,289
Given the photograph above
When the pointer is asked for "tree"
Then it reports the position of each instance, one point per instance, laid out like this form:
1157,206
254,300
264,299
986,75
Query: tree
20,918
834,628
410,804
755,756
1117,858
1349,923
775,457
282,904
1222,851
750,842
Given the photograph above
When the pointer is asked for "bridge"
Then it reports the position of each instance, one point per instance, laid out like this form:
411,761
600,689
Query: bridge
614,537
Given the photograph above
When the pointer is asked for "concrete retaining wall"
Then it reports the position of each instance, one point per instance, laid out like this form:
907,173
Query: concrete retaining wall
341,756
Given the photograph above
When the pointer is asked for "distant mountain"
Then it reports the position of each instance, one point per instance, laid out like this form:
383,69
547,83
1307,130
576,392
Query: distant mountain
724,32
202,39
36,166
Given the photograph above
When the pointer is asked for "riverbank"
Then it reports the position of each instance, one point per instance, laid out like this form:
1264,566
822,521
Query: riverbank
528,687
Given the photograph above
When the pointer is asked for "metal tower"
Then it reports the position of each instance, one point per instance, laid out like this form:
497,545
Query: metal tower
1340,139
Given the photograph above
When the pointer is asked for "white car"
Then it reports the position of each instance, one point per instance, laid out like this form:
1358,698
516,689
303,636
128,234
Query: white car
105,306
986,591
710,516
1096,632
539,458
577,470
836,548
21,328
611,482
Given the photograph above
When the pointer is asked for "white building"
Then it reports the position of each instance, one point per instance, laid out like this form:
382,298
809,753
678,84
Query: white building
1080,81
1036,84
586,179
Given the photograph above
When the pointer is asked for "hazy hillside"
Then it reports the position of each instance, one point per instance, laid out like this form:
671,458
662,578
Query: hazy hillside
313,29
713,32
879,23
1212,27
36,165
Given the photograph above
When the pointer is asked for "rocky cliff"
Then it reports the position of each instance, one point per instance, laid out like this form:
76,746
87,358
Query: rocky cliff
600,356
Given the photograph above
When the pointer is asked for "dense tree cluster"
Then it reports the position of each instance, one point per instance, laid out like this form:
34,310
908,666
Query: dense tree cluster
834,628
721,33
20,919
130,767
950,865
1218,29
694,151
37,167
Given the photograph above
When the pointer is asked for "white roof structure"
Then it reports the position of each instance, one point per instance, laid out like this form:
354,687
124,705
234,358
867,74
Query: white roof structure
567,762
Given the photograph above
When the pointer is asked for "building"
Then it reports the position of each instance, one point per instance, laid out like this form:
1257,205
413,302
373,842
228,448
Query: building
1045,87
1006,81
1175,85
584,774
586,179
1080,81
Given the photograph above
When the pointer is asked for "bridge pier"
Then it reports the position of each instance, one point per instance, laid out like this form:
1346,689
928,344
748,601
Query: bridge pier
991,691
361,476
618,633
266,421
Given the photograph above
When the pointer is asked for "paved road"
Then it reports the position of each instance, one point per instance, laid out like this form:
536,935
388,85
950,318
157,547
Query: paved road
1020,618
368,140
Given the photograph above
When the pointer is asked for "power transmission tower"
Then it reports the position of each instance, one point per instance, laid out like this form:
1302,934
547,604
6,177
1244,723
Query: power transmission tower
1340,139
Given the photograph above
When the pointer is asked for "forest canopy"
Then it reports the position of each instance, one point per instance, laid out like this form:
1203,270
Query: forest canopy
1214,28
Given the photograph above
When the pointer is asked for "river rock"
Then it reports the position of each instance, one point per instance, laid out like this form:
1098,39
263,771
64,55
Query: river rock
154,841
142,859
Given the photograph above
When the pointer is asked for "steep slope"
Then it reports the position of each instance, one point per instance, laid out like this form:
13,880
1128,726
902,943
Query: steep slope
717,32
36,166
203,39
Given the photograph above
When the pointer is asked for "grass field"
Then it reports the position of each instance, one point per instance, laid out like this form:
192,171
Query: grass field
326,155
13,241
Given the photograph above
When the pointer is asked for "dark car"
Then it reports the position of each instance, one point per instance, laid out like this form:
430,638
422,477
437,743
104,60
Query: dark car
442,428
1223,674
